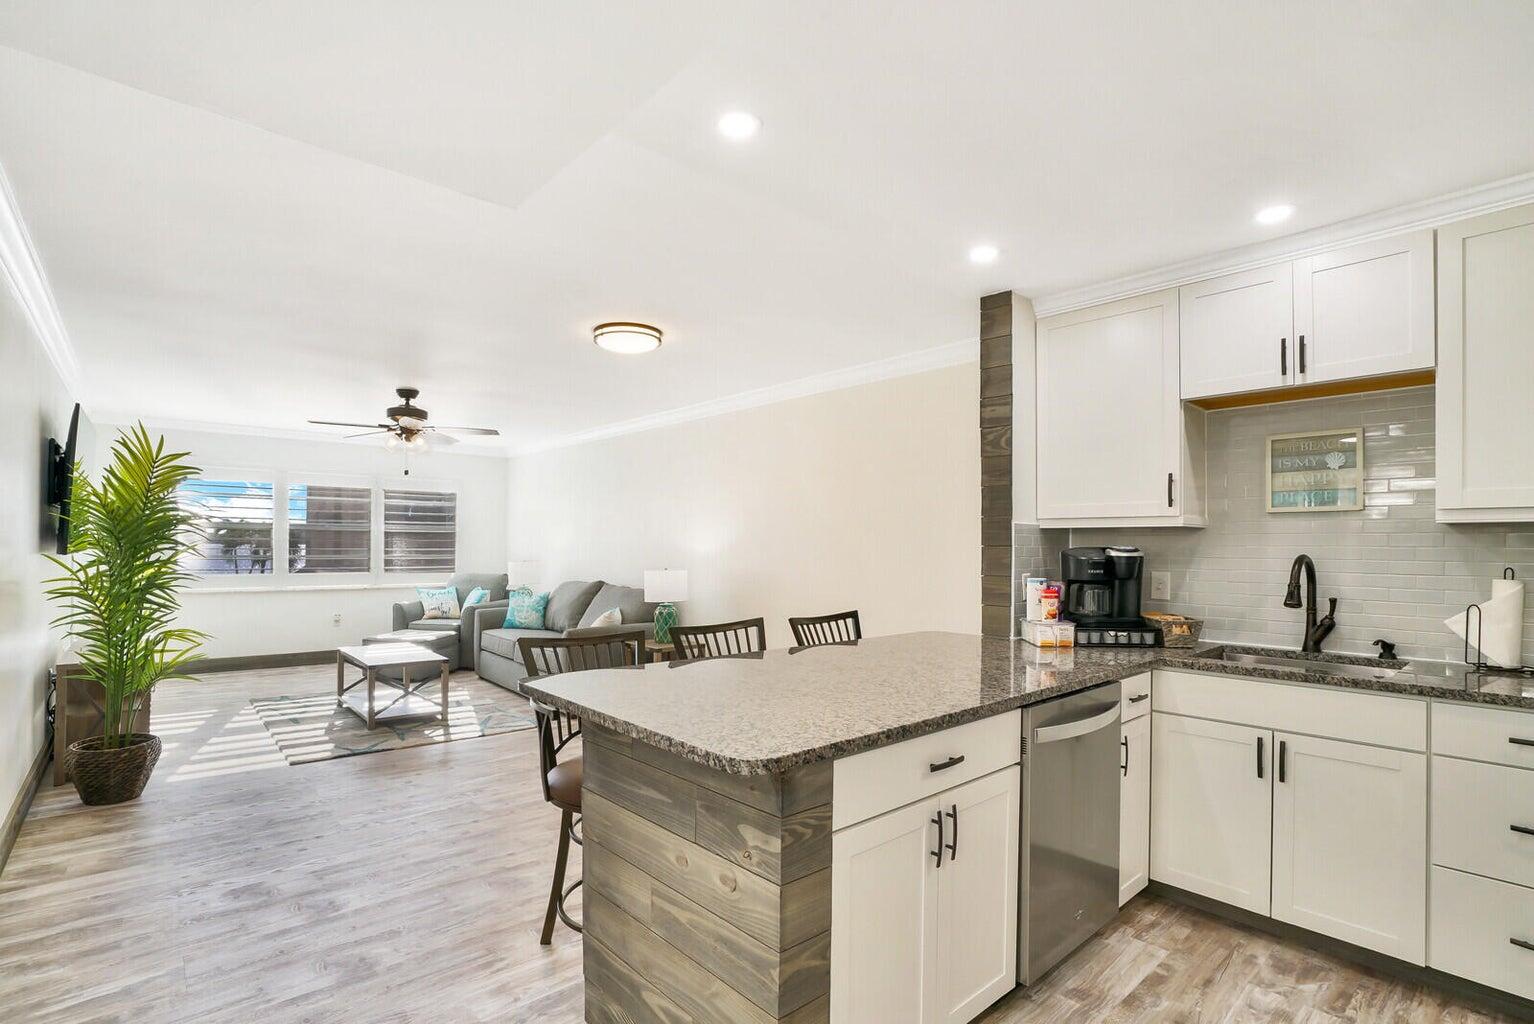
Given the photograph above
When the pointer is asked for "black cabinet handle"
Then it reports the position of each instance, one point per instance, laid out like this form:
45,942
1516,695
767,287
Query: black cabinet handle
1523,829
1283,357
943,766
937,819
1283,759
1124,742
953,844
1169,490
1302,353
1520,741
1259,757
1522,943
1137,698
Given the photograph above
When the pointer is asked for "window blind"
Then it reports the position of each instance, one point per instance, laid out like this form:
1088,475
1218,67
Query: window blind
420,531
234,518
330,529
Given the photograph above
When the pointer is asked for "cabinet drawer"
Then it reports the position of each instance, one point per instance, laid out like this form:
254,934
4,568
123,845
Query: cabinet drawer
1474,923
1399,722
1475,810
1485,734
876,781
1137,690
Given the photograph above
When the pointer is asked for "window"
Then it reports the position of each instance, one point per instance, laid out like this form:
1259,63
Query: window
420,531
330,529
235,519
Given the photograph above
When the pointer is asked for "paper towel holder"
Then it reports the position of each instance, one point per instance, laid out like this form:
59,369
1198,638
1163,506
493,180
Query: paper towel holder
1481,664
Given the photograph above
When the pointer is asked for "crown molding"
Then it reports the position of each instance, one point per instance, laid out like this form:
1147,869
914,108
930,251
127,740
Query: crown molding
1470,202
24,271
935,358
117,419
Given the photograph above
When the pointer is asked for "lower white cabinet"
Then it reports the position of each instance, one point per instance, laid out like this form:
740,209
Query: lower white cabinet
1350,843
1211,809
1483,929
924,907
1134,807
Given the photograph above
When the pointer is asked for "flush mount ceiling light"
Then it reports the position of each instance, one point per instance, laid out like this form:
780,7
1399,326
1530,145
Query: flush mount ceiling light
983,254
738,125
629,339
1276,214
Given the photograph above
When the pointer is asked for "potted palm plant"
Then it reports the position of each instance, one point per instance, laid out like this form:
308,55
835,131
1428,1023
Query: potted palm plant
120,591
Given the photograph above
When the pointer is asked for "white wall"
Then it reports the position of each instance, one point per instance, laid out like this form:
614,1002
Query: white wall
38,408
866,498
268,620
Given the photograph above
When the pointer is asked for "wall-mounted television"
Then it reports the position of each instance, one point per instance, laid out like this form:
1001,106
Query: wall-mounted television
61,479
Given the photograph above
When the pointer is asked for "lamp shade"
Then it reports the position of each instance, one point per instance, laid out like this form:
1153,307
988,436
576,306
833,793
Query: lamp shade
665,584
523,573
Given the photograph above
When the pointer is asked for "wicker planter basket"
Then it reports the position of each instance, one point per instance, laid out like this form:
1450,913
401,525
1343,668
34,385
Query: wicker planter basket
112,776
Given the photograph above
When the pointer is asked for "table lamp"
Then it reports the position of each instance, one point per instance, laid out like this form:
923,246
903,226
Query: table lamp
665,586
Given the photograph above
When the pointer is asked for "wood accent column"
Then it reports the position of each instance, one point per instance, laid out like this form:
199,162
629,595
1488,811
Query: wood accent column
706,896
996,464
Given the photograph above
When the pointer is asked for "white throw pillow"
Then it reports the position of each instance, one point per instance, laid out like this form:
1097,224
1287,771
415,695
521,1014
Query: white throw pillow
611,617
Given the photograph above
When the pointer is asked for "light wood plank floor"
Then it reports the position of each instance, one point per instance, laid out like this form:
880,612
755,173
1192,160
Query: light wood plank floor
409,886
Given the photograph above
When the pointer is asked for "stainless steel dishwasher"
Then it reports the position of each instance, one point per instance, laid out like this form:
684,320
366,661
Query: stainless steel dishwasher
1069,863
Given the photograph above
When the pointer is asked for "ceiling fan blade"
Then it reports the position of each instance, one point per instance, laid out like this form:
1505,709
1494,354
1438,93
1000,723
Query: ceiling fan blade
438,440
338,423
477,431
365,433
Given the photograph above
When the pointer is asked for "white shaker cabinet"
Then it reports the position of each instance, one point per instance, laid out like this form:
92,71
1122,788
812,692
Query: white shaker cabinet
1115,446
1365,310
1211,807
1134,807
1350,843
1238,332
924,907
1486,368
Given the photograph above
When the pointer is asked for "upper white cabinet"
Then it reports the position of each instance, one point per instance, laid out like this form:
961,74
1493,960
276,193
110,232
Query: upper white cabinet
1115,446
1238,332
1486,368
1361,311
1365,310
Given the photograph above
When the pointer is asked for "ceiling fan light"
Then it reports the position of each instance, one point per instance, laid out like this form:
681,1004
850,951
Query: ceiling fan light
626,338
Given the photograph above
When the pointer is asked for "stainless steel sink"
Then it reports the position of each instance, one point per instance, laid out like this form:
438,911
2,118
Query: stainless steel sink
1333,668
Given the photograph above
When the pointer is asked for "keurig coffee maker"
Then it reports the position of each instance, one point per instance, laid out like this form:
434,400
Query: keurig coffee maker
1102,597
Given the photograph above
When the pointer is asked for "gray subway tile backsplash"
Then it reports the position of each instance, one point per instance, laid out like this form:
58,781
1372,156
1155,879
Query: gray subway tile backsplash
1396,572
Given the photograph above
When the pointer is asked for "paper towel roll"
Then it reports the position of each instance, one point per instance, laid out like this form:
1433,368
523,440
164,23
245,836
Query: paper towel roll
1501,631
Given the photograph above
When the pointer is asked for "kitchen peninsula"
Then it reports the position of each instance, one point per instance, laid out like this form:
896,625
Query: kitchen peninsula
719,795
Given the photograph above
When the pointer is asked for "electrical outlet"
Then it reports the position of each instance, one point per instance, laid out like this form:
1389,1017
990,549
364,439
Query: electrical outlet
335,620
1161,585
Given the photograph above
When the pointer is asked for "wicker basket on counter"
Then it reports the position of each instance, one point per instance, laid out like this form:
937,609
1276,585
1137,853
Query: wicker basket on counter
1176,630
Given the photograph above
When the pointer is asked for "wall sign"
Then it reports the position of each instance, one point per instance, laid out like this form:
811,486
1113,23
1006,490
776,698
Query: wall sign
1316,471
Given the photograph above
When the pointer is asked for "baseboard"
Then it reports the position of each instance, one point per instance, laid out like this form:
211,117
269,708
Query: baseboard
208,665
21,805
1496,1000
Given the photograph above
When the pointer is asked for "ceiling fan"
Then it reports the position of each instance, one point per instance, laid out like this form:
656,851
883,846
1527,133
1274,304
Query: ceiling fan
408,427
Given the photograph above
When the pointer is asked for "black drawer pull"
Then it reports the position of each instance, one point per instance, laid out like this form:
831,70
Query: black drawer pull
1302,353
937,820
1523,829
1259,757
953,844
1124,742
943,766
1520,741
1522,944
1137,698
1283,760
1283,357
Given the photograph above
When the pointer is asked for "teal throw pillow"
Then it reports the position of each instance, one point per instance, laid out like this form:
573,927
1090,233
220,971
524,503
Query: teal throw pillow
439,602
479,595
524,610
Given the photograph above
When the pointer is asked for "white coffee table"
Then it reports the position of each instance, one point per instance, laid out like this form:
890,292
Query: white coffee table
408,701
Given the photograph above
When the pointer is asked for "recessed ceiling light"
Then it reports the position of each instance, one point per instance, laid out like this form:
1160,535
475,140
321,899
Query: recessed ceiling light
739,125
984,254
629,339
1274,214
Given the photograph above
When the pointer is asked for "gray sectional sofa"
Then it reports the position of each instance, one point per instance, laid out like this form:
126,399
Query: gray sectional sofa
572,607
407,615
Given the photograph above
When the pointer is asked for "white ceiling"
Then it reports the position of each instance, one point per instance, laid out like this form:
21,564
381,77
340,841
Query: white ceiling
258,212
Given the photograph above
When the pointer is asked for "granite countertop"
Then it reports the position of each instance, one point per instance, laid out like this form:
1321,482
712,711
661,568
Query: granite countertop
777,710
